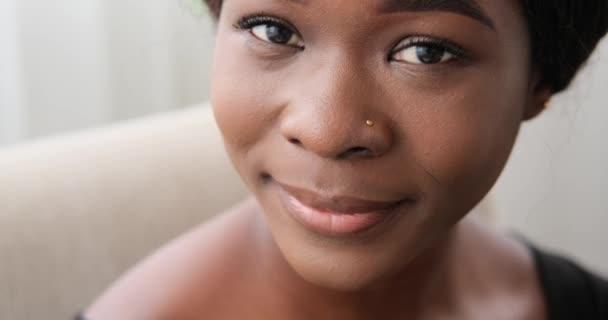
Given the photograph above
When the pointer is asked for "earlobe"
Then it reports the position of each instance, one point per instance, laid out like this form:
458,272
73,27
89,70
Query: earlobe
538,99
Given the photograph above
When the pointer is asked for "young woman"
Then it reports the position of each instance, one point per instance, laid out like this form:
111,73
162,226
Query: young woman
366,131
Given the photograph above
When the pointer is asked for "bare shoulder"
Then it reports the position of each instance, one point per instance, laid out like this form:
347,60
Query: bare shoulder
192,270
515,286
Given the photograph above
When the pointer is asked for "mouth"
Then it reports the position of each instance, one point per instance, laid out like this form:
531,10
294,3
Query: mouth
337,215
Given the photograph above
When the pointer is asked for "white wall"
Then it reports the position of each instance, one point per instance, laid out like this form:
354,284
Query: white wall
11,117
70,64
63,48
555,187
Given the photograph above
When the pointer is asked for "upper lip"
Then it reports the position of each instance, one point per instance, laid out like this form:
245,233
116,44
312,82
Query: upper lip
338,203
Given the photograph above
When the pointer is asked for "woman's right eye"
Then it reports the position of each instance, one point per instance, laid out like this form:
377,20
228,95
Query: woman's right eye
277,34
272,30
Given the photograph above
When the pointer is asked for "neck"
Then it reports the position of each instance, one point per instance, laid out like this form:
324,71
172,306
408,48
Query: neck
430,282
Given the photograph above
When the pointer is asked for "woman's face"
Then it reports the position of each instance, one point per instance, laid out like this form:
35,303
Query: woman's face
367,129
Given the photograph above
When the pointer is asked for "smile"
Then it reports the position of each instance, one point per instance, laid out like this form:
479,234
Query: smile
336,215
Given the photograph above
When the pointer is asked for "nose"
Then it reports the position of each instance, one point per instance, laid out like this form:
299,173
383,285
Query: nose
336,115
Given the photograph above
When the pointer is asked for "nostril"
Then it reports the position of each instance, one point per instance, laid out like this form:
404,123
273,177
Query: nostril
356,152
265,177
295,141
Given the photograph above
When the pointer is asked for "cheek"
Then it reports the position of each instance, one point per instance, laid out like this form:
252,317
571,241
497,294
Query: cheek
465,144
237,116
239,97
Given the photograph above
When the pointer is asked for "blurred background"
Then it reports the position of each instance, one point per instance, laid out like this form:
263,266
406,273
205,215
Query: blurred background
71,64
67,65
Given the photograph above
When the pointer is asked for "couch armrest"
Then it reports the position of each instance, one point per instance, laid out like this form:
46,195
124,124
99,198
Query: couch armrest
78,210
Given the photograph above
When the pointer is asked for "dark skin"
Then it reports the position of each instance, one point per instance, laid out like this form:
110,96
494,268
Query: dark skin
292,104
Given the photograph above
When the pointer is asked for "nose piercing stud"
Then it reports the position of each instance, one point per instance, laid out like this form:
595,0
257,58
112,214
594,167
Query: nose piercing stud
369,123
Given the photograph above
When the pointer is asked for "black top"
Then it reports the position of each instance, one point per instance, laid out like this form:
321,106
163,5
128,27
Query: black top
571,292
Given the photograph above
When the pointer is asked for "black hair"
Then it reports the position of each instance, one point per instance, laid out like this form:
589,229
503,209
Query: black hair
563,34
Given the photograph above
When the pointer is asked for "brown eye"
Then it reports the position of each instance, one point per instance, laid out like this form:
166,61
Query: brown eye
424,54
425,50
277,34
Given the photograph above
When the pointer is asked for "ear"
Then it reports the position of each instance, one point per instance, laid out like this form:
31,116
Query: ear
538,97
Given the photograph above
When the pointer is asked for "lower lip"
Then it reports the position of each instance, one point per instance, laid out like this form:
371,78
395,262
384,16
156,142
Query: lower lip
333,223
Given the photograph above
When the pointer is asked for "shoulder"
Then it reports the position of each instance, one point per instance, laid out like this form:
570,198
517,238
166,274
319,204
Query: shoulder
191,271
501,274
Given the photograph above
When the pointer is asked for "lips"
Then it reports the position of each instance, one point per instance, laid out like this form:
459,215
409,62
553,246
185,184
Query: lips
338,204
336,215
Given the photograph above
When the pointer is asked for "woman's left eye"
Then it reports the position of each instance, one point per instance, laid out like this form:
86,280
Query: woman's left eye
423,54
426,51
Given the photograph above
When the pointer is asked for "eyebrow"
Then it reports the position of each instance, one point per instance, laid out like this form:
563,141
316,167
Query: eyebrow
469,8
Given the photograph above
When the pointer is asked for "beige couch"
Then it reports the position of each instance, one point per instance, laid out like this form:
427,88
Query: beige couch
77,210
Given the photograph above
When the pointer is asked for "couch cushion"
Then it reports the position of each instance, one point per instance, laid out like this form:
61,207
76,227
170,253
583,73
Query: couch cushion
77,210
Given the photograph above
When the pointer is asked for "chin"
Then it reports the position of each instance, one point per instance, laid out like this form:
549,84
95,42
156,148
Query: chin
349,266
340,272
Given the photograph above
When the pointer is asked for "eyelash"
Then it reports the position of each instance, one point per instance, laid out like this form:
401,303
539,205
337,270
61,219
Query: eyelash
256,19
